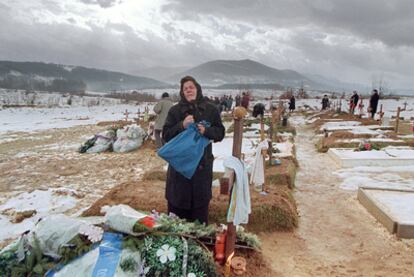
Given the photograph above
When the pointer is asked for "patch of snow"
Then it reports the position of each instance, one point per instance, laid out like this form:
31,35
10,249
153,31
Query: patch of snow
44,202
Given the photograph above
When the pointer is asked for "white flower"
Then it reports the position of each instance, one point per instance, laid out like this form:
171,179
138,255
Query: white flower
191,275
166,253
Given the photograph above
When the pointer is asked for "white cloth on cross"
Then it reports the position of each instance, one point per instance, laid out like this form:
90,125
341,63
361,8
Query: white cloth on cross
239,208
257,177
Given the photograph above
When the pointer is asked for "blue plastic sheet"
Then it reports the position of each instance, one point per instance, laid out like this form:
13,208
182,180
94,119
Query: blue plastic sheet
109,254
185,150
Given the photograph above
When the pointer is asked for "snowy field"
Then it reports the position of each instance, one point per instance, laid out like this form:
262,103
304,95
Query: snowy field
34,119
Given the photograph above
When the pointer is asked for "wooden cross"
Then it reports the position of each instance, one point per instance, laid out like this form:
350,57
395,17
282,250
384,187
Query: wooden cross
262,138
381,114
126,113
397,121
227,181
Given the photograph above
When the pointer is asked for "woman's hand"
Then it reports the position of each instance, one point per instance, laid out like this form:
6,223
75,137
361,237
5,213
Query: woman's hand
187,121
201,128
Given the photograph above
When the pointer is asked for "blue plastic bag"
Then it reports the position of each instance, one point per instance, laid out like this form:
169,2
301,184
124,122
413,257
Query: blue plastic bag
185,151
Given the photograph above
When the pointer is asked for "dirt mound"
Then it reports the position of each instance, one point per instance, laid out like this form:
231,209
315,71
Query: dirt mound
275,211
324,117
283,174
349,135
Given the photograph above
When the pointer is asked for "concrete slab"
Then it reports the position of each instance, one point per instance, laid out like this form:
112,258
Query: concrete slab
392,207
345,157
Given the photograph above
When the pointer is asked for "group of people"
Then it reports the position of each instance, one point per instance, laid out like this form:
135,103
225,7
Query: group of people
225,102
353,102
373,102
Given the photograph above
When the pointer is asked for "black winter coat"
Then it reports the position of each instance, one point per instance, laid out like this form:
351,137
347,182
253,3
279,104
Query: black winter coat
373,102
180,191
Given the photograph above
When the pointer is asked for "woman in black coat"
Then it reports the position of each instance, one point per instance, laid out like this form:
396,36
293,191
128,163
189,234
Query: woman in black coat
190,198
373,103
292,104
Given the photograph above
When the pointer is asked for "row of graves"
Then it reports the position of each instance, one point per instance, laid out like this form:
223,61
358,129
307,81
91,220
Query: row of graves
128,233
356,141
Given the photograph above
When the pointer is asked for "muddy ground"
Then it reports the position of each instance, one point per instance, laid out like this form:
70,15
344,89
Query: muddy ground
49,159
336,235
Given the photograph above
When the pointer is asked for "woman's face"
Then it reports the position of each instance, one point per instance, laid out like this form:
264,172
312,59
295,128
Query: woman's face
189,91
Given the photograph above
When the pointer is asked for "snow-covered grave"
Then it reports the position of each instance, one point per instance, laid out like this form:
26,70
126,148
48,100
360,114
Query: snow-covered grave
224,149
389,156
393,208
372,140
353,126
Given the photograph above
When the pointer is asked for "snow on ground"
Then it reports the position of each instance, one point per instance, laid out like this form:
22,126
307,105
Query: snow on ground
224,149
385,153
34,119
370,140
44,202
397,177
339,124
390,106
285,149
398,204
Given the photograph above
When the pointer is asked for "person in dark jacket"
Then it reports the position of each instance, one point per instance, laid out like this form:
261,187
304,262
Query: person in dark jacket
245,100
237,99
190,198
373,103
258,110
292,103
353,102
325,102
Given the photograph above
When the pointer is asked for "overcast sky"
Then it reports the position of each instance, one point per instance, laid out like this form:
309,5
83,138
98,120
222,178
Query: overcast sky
350,40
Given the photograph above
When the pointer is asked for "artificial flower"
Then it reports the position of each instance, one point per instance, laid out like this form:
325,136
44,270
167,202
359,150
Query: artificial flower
166,253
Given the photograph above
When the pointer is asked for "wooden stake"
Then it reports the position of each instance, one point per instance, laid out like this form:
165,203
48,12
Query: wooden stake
231,228
262,138
126,113
381,114
397,122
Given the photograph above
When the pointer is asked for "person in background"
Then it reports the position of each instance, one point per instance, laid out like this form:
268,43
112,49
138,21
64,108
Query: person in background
325,102
161,109
229,102
237,99
190,198
373,103
245,100
292,103
353,102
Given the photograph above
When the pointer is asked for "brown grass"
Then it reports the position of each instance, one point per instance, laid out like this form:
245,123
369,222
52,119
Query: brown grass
283,174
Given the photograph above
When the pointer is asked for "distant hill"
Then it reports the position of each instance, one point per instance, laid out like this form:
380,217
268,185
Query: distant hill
220,72
161,73
44,74
251,86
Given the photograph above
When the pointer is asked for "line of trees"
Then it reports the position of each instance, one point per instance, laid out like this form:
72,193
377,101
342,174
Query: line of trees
55,85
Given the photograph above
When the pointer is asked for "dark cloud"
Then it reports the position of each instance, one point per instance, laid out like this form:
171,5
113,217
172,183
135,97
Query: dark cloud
351,39
391,22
